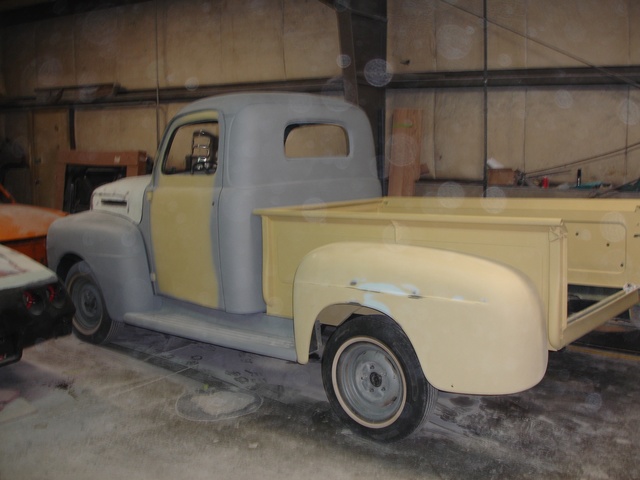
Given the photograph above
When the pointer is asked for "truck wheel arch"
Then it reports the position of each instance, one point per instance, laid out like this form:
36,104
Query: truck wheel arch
477,326
113,248
65,264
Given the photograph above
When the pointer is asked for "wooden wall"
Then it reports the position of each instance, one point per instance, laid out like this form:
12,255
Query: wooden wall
192,43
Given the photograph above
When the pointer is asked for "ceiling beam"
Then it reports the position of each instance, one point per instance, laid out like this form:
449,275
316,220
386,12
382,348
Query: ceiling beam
532,77
20,12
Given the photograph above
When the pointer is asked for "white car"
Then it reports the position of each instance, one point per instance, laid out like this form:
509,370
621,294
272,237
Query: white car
34,305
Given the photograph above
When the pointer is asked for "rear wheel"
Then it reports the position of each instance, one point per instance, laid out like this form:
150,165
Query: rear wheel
91,321
374,381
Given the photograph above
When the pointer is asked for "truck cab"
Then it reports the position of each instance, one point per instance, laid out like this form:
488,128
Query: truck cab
185,238
219,162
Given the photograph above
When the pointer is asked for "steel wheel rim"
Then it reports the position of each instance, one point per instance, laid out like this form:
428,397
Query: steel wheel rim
369,382
86,298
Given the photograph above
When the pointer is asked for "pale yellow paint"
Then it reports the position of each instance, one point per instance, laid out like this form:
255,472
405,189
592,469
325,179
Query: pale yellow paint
603,234
181,212
486,337
535,246
479,286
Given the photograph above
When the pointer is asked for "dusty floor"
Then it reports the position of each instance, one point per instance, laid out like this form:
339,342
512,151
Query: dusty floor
156,407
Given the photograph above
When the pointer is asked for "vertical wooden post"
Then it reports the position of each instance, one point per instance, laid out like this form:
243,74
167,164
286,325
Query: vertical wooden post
406,143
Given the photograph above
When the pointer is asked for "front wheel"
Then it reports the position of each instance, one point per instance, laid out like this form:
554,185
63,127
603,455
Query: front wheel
91,321
373,379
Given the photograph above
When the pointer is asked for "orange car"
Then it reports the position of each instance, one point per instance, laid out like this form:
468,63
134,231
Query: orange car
24,227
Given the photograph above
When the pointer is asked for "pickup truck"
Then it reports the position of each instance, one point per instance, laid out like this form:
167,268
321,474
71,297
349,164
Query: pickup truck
262,228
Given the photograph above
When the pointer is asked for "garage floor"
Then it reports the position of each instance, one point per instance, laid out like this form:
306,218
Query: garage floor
156,407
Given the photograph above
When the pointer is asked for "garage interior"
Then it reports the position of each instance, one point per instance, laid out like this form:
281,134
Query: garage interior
512,98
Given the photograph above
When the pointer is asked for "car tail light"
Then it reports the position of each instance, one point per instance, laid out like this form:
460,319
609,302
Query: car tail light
37,300
33,302
56,295
28,299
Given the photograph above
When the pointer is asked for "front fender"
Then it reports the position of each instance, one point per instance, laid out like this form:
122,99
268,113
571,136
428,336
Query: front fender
477,326
114,249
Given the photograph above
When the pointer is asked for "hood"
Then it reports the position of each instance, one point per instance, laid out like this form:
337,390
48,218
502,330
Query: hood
19,221
123,197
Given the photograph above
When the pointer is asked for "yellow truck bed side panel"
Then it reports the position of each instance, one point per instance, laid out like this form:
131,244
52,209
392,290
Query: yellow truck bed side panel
536,247
603,234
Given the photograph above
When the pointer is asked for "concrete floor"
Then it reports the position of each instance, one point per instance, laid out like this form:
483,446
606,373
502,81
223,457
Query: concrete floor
157,407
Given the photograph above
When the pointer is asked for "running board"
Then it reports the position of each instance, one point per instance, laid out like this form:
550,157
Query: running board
254,333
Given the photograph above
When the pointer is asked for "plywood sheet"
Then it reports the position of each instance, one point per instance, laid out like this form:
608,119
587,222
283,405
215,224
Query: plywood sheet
406,140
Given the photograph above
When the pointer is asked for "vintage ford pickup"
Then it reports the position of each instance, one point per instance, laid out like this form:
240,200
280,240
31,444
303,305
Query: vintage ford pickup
262,229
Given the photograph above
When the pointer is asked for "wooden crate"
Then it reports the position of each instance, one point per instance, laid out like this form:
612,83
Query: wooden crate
501,176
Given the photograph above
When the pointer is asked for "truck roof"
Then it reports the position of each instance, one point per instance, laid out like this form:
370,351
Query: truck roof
256,126
233,102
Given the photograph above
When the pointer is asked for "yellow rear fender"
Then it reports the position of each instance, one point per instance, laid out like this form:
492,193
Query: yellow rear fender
477,326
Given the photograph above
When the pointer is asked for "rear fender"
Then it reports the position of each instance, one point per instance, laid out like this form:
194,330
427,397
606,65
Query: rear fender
114,249
477,326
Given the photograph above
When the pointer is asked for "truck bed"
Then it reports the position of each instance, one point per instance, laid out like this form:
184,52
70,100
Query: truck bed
603,235
556,243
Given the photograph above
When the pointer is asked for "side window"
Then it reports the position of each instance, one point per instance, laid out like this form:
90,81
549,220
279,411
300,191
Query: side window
313,140
194,148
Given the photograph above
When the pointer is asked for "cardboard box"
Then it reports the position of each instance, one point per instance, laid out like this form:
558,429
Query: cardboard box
501,176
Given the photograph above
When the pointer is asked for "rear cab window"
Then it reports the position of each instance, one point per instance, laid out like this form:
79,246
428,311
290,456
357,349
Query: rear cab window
316,140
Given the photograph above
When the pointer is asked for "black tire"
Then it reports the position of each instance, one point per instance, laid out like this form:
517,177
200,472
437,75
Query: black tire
91,321
373,379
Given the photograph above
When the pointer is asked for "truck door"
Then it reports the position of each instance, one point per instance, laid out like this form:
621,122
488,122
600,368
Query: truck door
183,219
